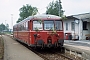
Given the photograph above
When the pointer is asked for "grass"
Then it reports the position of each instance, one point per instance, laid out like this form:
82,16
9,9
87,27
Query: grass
1,49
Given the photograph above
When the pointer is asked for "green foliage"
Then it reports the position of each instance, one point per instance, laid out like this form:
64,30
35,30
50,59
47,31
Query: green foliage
36,29
3,27
25,11
53,8
40,21
19,19
53,31
64,17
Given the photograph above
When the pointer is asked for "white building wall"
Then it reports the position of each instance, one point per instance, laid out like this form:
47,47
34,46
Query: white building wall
78,29
75,32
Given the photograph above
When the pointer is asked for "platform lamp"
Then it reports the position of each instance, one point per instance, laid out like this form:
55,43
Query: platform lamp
77,21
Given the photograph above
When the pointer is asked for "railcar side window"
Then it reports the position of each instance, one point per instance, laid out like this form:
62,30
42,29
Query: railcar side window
19,27
58,25
22,27
26,26
48,25
15,28
37,25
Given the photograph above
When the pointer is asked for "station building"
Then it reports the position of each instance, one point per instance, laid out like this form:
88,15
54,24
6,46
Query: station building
77,27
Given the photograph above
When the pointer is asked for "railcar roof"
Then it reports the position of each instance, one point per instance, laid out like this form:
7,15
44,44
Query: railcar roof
42,16
47,16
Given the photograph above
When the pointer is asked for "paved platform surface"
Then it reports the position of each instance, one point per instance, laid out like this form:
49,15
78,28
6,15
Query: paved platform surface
15,51
80,45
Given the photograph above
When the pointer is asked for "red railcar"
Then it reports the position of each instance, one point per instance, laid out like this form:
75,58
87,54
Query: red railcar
40,31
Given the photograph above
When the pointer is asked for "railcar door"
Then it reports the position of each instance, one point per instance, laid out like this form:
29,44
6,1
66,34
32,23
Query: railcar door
28,32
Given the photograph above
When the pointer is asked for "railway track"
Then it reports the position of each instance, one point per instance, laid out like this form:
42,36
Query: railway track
53,54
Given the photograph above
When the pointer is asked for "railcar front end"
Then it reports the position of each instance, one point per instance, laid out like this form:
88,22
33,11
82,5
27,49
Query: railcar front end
48,33
40,31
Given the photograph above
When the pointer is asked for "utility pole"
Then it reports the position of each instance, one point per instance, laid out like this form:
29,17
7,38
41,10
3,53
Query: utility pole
5,24
59,8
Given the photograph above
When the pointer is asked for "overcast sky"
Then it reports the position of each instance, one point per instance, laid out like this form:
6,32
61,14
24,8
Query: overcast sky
8,7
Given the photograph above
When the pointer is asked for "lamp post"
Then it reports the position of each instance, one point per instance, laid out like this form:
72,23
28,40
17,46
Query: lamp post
11,22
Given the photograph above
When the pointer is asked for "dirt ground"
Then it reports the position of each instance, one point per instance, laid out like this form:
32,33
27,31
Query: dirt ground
1,49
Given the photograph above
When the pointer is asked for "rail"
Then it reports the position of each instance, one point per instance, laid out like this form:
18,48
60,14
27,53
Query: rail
54,55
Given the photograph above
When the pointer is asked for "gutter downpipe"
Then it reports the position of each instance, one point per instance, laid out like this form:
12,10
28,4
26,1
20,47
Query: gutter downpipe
81,24
81,29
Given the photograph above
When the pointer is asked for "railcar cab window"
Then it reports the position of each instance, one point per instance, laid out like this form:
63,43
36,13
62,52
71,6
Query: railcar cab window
37,25
58,25
48,25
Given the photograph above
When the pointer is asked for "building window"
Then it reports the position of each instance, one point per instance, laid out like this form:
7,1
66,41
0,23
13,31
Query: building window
72,26
66,26
85,25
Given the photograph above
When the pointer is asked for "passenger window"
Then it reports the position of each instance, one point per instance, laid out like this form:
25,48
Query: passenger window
26,26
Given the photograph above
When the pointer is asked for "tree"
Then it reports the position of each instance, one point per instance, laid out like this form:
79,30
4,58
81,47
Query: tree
2,27
53,8
25,11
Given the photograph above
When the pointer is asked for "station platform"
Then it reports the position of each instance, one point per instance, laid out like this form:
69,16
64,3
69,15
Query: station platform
82,46
15,51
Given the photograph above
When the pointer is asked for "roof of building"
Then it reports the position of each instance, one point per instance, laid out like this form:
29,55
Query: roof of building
72,17
82,16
